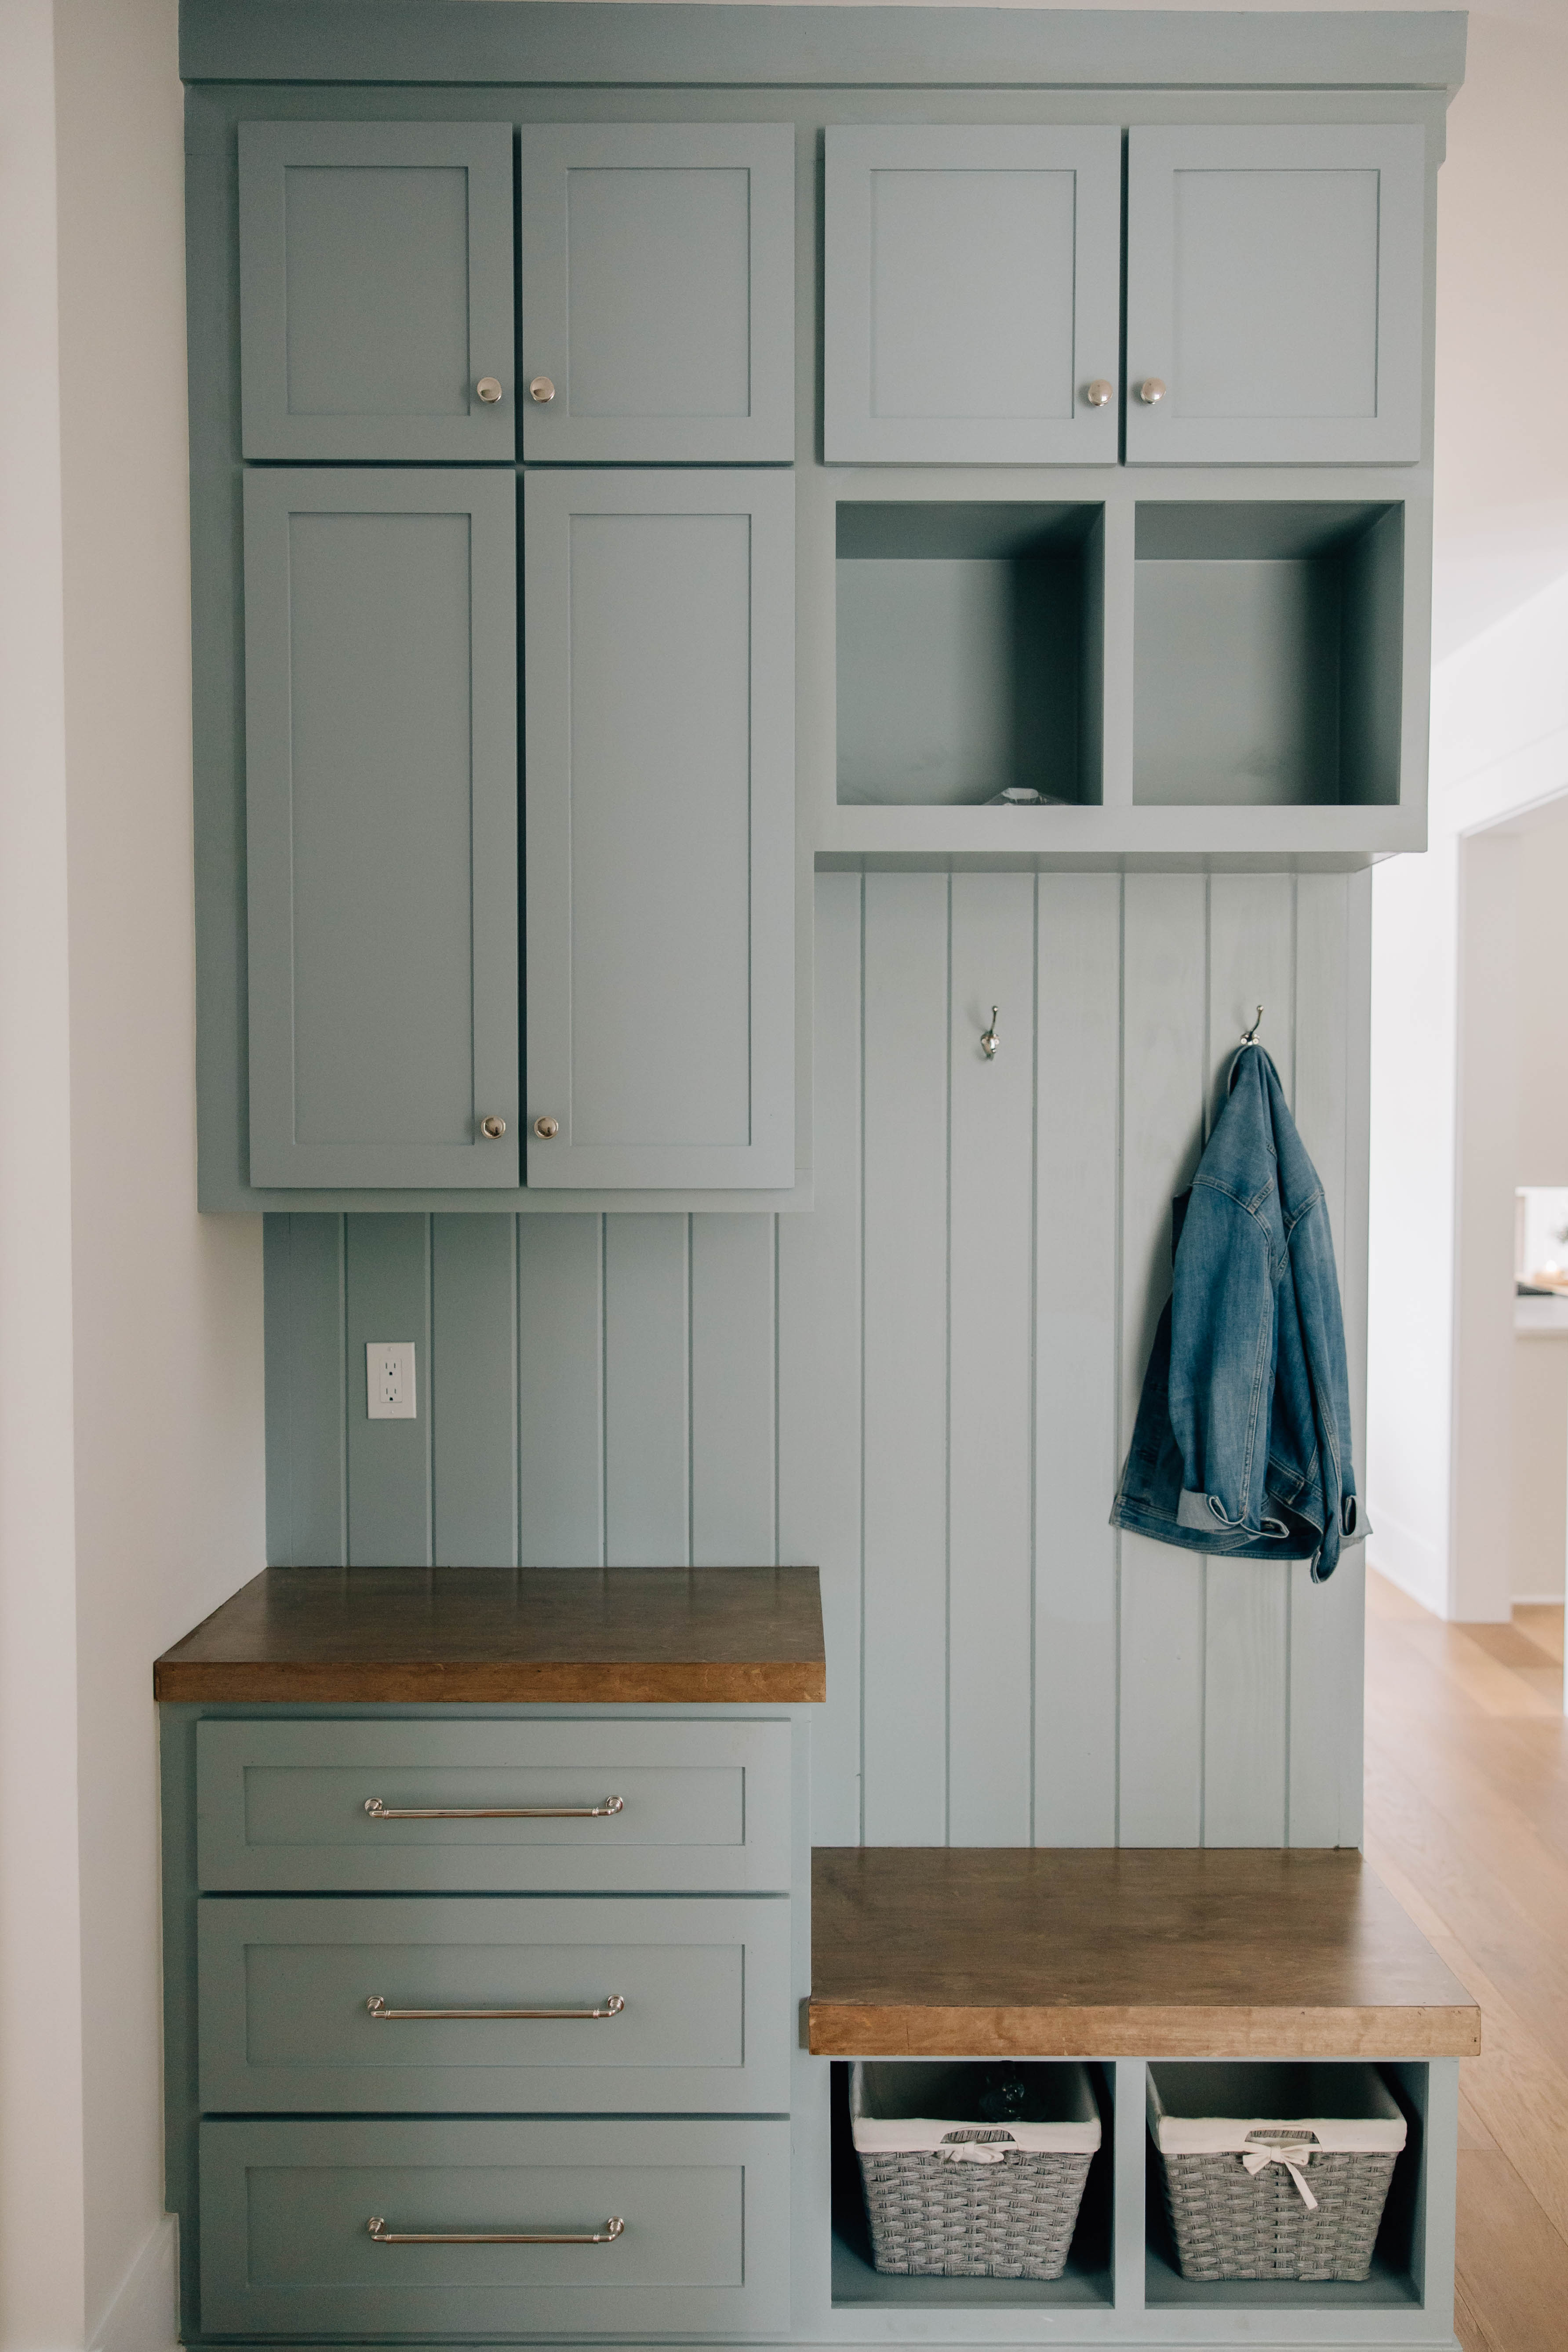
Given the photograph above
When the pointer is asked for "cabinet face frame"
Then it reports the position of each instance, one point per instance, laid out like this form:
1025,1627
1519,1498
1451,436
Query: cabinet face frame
268,152
1159,433
1090,156
556,662
553,154
275,499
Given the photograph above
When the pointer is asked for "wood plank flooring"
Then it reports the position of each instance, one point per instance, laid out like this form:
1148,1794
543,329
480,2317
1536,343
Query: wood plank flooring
1467,1822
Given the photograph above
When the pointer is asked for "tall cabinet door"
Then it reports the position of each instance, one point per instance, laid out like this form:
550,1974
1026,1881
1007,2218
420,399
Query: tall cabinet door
375,265
972,295
658,292
1274,294
659,789
381,801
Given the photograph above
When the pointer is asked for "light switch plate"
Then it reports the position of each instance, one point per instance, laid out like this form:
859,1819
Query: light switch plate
389,1379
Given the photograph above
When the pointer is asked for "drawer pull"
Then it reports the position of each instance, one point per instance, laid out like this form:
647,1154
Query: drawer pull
385,2237
613,2004
379,1812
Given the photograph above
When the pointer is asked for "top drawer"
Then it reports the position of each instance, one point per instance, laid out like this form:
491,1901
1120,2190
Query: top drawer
624,1808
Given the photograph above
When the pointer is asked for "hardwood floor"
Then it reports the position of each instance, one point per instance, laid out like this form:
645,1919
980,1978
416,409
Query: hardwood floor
1467,1821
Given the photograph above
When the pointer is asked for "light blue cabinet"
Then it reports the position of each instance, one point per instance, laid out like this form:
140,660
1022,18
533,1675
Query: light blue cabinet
658,292
376,289
381,804
659,793
973,294
1274,291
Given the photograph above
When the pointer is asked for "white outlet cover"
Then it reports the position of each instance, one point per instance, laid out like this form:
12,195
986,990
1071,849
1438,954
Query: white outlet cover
389,1379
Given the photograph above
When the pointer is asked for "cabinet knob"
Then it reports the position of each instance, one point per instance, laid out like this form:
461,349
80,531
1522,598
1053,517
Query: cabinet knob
492,1127
1150,390
1099,392
541,390
489,390
546,1126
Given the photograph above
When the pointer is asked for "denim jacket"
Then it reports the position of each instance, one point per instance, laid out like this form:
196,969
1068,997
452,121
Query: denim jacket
1242,1442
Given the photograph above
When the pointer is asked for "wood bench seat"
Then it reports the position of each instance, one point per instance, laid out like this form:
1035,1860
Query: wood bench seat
1107,1953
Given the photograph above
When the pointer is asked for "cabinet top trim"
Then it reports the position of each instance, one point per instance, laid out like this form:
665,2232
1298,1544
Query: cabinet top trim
630,41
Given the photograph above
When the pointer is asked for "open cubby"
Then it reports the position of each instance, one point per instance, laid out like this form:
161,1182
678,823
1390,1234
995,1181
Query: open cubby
1085,2284
1392,2284
969,651
1267,653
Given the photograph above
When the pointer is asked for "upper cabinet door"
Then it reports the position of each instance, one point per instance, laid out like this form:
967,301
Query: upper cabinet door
381,801
660,798
658,292
1274,295
972,296
376,290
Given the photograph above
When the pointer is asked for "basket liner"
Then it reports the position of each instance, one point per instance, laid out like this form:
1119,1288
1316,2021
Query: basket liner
1222,2109
882,2099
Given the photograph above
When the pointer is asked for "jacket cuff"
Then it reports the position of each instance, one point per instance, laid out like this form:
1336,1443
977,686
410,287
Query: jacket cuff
1206,1513
1193,1511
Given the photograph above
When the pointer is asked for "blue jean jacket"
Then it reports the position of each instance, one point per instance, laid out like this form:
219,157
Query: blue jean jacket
1242,1442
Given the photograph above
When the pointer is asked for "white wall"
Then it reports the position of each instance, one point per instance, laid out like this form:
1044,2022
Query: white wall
129,1328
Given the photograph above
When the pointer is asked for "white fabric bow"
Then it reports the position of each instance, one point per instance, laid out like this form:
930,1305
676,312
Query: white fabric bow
970,2151
1292,2155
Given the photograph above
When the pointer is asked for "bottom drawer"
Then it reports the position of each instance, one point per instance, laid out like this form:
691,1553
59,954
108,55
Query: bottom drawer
287,2247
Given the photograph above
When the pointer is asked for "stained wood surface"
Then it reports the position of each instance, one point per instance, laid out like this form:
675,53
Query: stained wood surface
582,1636
953,1952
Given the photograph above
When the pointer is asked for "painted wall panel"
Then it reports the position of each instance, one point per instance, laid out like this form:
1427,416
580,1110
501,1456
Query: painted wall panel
924,1384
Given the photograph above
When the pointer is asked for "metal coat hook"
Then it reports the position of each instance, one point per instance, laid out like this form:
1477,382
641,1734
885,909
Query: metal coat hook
1250,1036
990,1040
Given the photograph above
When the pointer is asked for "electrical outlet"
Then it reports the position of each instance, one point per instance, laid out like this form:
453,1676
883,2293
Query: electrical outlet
389,1379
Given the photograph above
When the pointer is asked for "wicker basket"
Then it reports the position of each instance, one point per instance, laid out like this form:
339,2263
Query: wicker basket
1274,2171
954,2192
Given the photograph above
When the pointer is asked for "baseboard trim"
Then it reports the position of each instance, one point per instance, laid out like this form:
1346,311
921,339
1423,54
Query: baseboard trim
143,2315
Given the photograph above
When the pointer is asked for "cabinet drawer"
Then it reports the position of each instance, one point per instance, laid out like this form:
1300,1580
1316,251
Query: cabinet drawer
287,2248
694,1808
702,2024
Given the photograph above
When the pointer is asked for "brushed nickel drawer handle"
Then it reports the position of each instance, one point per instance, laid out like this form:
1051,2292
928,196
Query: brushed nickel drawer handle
385,2237
613,2004
379,1812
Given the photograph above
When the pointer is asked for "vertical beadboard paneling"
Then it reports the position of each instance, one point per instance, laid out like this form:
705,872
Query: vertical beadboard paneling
990,1344
733,1519
905,1017
1252,961
560,1391
1351,1576
473,1390
387,1296
1076,1464
307,1469
646,1391
819,1362
1161,1629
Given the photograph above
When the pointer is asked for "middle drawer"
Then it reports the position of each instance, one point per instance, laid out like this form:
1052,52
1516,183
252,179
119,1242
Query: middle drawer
656,2004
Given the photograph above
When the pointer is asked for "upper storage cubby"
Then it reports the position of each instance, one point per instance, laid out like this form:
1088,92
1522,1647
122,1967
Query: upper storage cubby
1274,294
968,651
972,295
1267,653
658,292
375,266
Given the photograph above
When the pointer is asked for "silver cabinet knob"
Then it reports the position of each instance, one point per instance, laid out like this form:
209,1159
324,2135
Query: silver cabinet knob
1099,392
546,1126
541,390
1150,390
489,390
492,1127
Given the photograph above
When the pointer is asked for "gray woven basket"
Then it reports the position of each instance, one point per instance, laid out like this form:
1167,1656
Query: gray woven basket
1229,2225
934,2219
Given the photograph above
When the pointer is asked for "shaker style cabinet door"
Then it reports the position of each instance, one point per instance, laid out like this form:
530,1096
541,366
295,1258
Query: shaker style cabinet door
658,292
660,799
375,271
972,296
1274,294
381,809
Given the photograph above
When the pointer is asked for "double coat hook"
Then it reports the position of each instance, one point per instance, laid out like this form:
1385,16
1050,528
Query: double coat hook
1250,1036
990,1040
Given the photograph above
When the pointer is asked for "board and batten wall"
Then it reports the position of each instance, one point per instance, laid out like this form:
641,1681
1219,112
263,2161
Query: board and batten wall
923,1385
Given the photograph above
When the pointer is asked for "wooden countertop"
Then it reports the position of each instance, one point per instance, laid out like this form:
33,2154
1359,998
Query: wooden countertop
975,1951
698,1636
